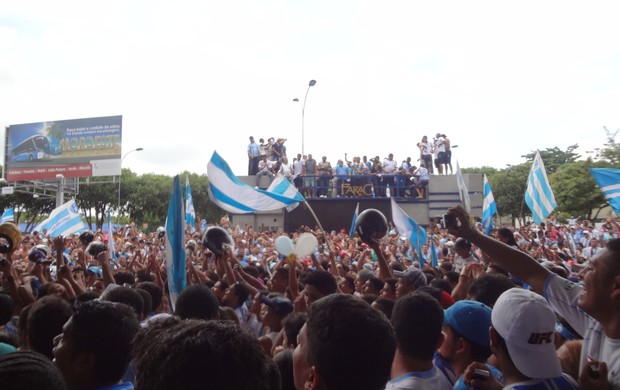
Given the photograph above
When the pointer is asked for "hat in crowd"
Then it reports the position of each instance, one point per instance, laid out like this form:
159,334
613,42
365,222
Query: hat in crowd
365,274
526,322
96,270
414,277
444,299
471,320
280,305
191,243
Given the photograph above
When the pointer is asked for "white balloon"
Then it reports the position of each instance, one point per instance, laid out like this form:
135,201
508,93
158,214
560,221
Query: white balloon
306,244
284,245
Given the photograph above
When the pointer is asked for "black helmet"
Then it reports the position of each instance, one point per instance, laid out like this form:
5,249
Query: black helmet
39,253
86,237
216,239
371,225
95,247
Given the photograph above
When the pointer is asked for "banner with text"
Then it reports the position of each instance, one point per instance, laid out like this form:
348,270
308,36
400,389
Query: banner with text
73,148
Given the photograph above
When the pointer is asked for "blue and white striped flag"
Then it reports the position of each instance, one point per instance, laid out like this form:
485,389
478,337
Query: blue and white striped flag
190,213
488,206
282,186
175,242
203,225
539,196
434,260
608,179
234,196
354,221
409,229
8,215
463,192
64,220
111,248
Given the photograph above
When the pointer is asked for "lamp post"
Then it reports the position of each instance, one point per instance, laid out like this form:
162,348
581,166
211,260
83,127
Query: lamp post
118,217
303,109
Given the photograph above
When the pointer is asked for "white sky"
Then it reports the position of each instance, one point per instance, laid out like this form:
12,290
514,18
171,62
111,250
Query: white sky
193,76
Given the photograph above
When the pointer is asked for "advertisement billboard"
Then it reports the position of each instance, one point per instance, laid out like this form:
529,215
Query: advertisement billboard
74,148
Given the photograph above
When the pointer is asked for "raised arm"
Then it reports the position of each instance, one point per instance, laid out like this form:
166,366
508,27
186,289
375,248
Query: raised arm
514,261
385,272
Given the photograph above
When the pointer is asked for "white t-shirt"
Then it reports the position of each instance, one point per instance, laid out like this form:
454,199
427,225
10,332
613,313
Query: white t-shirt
562,295
432,379
389,166
460,262
265,166
286,170
427,148
439,145
298,167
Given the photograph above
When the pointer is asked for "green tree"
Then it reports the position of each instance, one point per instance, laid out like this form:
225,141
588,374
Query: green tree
554,158
28,209
96,195
147,198
610,153
509,185
485,170
575,190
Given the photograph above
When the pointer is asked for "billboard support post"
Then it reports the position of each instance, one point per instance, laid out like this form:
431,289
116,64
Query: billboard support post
60,194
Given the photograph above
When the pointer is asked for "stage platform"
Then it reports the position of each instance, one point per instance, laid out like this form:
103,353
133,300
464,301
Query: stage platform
336,213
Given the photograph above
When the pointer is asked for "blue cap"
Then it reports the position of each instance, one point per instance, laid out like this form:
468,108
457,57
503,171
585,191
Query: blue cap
281,305
471,320
95,270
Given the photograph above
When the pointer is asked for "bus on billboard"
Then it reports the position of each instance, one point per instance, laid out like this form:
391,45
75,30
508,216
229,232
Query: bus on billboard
74,148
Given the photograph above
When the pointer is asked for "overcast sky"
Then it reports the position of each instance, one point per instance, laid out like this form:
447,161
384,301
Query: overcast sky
190,77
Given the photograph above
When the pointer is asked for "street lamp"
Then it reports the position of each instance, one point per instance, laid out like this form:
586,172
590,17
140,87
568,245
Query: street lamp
303,108
118,217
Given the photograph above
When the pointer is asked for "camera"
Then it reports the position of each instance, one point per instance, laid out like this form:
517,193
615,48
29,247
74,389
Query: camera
448,221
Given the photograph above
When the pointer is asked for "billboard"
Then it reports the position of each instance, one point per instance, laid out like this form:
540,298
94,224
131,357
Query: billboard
74,148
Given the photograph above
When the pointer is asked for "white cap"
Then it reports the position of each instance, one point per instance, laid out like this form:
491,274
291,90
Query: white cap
527,323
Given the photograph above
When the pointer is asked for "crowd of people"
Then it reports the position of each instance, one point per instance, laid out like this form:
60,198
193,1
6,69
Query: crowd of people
529,308
357,177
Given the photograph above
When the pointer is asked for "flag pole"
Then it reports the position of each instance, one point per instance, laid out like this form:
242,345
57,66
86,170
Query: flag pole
314,215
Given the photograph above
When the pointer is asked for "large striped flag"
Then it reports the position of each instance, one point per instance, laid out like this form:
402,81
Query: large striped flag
111,243
488,206
175,242
63,220
283,186
539,196
608,179
463,192
434,260
8,215
409,229
190,213
355,214
234,196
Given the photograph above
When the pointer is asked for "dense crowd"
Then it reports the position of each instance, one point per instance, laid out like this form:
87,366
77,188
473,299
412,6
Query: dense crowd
358,177
354,314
